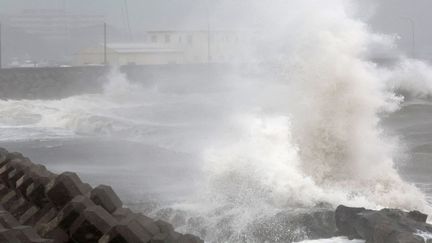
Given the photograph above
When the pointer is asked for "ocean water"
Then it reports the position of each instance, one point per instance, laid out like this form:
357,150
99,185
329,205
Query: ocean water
308,124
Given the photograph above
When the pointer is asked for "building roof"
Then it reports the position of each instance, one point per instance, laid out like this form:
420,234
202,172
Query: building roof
141,48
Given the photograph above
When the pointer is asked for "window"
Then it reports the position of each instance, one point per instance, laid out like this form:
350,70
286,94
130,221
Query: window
190,39
167,38
180,40
154,38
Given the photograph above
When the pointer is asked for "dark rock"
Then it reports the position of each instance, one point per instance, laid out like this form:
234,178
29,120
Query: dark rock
418,216
3,155
105,197
28,235
9,199
7,221
67,216
93,223
384,226
19,208
128,232
63,209
40,174
187,238
27,217
4,173
149,225
167,231
64,188
35,193
122,214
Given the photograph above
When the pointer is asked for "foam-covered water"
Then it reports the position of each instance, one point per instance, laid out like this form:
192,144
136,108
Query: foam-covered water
305,133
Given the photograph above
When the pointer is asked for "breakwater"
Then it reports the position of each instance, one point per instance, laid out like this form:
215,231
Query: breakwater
62,82
37,205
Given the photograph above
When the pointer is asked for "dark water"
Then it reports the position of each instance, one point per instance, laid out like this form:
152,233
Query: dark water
413,125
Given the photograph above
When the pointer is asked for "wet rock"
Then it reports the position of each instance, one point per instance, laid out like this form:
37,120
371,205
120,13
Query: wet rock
64,188
187,238
63,221
131,231
167,231
105,197
384,226
92,224
7,221
122,214
148,224
418,216
3,155
37,204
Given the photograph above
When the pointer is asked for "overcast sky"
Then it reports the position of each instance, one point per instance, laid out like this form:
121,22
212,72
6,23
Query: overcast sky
388,16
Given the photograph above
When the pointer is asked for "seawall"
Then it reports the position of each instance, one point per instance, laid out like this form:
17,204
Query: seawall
62,82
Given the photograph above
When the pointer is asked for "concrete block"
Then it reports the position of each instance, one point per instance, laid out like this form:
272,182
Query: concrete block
105,197
93,223
3,155
19,207
122,214
7,221
28,235
67,216
27,217
130,232
125,215
168,231
149,225
4,173
7,200
64,188
35,193
187,238
40,174
3,190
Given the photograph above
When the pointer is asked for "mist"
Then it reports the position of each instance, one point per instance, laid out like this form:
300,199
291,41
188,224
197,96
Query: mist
235,121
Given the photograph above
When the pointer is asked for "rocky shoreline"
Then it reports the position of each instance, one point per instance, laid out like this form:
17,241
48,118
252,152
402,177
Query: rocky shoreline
383,226
37,205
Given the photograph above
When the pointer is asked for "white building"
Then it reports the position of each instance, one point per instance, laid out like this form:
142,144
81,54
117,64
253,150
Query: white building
165,47
129,53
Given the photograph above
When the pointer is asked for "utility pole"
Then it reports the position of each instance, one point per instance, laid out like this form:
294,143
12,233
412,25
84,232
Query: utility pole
208,35
105,44
128,19
413,35
1,64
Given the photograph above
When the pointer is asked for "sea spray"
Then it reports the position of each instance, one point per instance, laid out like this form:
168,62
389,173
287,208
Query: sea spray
304,133
313,134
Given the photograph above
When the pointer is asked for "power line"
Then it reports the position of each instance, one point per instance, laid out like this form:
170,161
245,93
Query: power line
1,64
127,19
105,44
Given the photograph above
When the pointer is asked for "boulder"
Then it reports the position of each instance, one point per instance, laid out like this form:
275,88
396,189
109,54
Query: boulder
105,197
3,155
64,188
7,221
93,223
67,216
130,232
384,226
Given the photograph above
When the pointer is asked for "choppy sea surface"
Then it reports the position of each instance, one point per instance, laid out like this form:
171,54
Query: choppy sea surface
148,143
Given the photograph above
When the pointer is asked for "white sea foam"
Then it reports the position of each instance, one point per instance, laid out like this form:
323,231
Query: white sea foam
305,131
333,240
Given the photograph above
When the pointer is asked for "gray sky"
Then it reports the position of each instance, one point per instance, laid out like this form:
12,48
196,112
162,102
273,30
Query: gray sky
144,14
387,16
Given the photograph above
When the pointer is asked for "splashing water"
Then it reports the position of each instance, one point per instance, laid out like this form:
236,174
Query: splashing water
304,131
